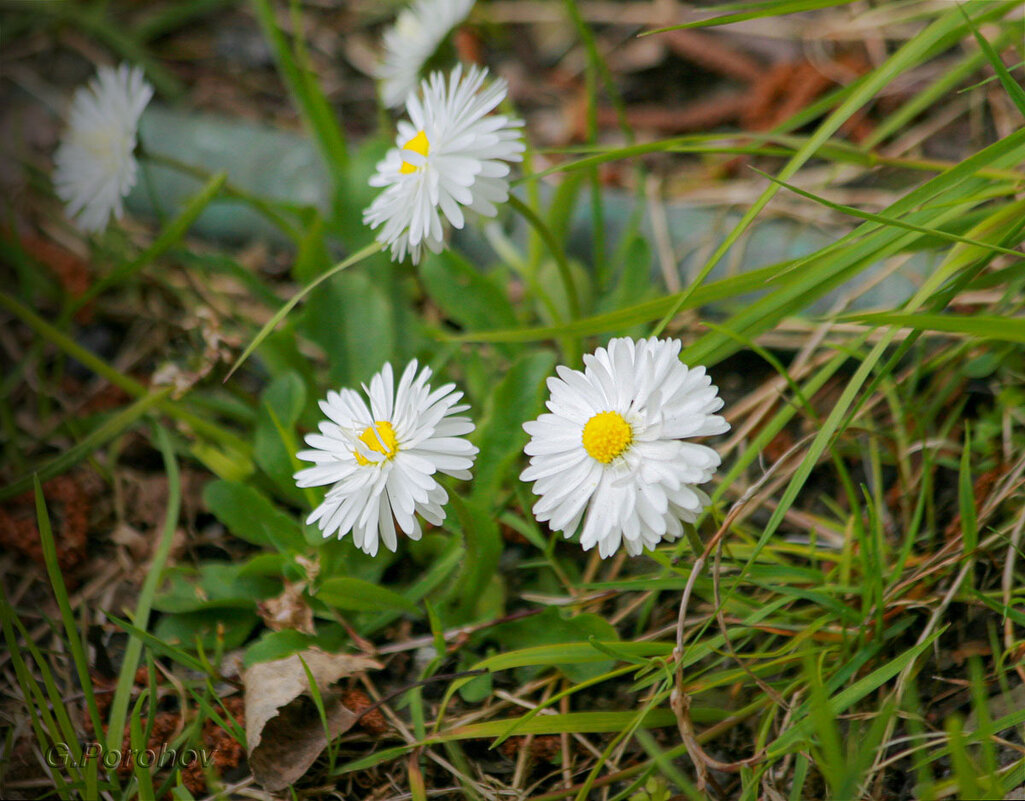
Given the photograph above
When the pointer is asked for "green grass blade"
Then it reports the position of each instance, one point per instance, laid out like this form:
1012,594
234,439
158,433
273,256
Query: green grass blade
844,699
281,313
983,326
909,55
1011,86
98,437
171,235
72,630
307,94
126,679
773,8
883,219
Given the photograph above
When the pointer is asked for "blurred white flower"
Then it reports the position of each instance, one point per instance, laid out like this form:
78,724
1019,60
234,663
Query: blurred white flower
610,454
448,157
382,461
412,40
95,163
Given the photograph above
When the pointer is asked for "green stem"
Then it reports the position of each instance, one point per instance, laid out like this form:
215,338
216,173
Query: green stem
229,190
556,250
694,540
171,234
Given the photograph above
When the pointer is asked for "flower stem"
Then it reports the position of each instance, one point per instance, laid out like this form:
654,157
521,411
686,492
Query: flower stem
556,250
694,540
229,190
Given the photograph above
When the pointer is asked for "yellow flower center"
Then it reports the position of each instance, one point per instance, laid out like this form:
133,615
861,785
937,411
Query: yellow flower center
380,437
606,435
418,144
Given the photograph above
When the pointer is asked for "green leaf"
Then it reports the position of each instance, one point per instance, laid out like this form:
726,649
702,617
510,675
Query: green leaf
352,593
577,723
214,585
550,627
476,689
274,645
616,321
483,549
73,631
306,93
469,297
350,318
633,282
145,603
281,313
518,397
212,628
250,516
313,257
883,219
280,407
842,700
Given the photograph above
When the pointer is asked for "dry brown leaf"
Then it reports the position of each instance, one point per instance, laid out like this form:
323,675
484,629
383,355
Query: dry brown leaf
289,610
284,732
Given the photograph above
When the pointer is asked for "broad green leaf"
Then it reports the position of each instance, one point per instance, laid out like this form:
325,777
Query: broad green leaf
282,313
483,549
274,645
280,407
350,317
550,627
313,257
213,628
345,592
250,516
500,436
214,585
469,297
633,283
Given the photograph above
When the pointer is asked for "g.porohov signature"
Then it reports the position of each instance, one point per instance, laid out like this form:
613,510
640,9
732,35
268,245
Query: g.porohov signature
61,755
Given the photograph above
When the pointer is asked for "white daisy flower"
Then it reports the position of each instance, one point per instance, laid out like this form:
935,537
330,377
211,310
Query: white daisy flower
95,162
382,461
412,40
610,453
449,156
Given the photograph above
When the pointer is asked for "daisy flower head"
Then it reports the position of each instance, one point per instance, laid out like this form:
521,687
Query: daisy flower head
449,156
412,40
95,162
610,453
381,461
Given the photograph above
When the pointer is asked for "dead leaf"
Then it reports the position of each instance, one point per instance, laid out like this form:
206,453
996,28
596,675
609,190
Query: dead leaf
289,610
284,732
